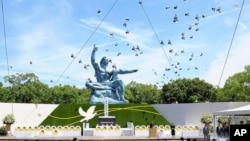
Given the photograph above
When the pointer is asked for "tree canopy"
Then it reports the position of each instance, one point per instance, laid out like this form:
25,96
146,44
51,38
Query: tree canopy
188,91
237,87
27,88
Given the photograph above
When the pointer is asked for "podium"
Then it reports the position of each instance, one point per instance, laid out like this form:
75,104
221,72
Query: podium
153,132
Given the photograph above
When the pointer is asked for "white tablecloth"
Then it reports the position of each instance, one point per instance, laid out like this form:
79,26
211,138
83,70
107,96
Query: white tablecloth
144,133
31,134
164,134
24,134
107,132
191,133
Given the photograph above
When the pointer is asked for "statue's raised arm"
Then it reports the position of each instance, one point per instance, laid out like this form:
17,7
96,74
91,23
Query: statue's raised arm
94,64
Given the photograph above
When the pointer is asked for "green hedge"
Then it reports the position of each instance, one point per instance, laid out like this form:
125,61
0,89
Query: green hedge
139,114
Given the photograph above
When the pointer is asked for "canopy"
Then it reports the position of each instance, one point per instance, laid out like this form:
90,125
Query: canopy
244,110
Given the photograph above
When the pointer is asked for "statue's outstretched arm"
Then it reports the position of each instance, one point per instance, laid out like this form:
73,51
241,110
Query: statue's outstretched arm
126,71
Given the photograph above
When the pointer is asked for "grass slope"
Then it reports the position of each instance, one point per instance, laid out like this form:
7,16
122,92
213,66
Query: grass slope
139,114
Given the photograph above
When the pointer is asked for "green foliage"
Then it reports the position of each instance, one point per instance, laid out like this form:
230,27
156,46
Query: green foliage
3,131
67,114
188,91
21,78
26,88
236,88
138,93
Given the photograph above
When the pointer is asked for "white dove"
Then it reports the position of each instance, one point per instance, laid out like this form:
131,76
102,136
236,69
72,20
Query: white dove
87,116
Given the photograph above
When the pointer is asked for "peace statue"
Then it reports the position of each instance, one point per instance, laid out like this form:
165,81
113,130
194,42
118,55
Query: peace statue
108,85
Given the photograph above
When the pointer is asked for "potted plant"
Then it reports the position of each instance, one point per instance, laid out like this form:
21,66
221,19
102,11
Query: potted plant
8,120
224,120
206,118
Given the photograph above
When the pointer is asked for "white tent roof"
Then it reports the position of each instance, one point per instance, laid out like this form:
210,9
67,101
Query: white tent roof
244,110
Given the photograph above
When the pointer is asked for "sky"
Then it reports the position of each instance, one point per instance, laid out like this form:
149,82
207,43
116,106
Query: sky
164,39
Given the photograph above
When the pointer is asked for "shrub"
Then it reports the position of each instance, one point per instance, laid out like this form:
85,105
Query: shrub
3,131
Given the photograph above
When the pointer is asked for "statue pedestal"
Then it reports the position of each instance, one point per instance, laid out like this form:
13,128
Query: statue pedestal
107,120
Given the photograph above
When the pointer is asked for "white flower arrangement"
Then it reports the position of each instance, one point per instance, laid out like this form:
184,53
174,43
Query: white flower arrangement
9,119
206,118
224,119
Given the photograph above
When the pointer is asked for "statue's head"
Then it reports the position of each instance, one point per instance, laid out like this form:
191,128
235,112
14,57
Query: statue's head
104,62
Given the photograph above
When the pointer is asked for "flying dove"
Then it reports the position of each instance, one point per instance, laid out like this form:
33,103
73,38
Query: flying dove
87,115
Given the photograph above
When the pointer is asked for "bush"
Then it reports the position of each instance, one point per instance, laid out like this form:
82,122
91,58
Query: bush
3,131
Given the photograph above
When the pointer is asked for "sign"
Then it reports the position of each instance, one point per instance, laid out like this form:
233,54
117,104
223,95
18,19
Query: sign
239,132
104,120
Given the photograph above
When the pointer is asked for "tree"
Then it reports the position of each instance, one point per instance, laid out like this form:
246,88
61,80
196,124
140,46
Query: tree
188,91
237,87
69,95
25,88
84,95
142,93
4,95
24,79
21,87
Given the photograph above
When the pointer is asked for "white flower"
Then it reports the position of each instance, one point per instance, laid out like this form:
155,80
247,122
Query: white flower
224,119
206,118
9,119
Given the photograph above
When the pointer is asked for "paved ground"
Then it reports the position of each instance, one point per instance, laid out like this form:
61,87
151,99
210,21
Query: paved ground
95,138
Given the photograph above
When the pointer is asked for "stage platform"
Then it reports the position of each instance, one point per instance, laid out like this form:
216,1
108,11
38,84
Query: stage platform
96,138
